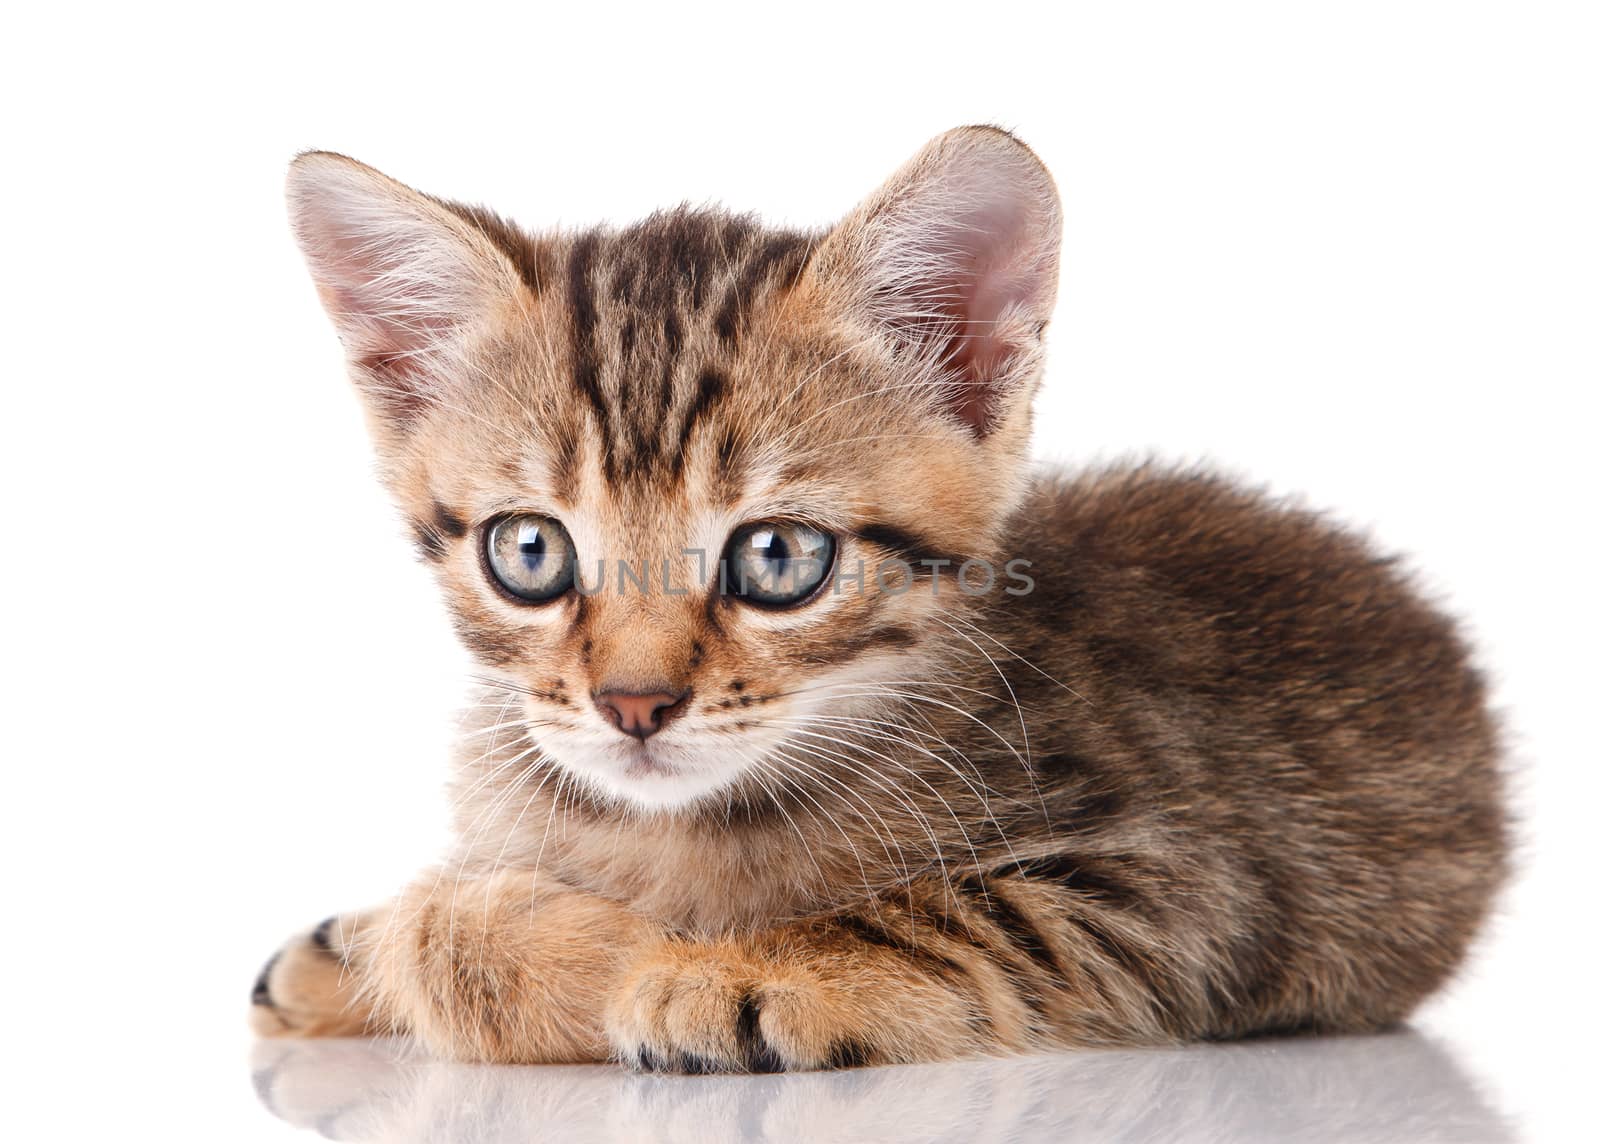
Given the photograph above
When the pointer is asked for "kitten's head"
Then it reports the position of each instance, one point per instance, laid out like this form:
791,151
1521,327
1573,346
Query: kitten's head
682,482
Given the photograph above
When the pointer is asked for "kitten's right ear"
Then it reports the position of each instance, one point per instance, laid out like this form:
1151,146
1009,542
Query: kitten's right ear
405,279
955,258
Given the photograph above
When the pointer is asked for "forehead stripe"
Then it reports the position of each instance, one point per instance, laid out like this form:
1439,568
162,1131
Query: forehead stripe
706,394
585,353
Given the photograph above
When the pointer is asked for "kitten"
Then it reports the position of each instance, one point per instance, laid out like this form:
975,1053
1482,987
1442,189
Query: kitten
817,730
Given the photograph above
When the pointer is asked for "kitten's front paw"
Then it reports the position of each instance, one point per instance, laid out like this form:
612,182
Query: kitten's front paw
698,1009
309,987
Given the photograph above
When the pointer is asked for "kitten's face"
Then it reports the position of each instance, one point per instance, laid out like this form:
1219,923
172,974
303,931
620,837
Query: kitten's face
660,471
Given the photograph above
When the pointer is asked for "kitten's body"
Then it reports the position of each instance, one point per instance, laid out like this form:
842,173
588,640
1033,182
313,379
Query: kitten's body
1219,771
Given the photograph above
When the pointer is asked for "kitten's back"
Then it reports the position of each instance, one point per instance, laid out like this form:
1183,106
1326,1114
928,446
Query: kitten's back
1294,734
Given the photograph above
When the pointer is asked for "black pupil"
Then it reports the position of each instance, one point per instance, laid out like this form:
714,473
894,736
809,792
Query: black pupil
532,547
775,553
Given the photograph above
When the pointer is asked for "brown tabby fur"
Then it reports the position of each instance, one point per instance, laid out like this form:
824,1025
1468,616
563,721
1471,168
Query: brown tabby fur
1221,772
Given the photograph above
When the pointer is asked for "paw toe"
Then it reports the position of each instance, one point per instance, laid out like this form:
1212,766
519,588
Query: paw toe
322,936
308,989
261,994
693,1026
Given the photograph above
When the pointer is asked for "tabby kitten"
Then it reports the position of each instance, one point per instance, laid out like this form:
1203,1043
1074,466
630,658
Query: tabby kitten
817,730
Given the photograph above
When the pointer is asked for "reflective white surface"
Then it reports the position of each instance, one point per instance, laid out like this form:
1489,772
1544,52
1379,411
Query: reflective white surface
1403,1086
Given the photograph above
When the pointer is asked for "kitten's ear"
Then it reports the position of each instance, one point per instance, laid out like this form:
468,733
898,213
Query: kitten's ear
956,256
405,279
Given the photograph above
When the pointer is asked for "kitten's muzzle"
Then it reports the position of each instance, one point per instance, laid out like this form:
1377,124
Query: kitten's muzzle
640,714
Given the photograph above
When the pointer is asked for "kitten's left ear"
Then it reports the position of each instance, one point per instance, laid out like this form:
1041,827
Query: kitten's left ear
406,279
956,259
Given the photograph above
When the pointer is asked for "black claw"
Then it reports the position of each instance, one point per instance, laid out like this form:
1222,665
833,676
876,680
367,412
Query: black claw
261,994
759,1057
692,1065
648,1062
766,1060
849,1055
322,936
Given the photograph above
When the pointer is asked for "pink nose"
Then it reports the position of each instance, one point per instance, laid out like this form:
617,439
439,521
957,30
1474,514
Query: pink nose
639,715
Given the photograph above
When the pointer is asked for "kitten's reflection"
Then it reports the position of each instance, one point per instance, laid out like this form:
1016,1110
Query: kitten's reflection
1398,1087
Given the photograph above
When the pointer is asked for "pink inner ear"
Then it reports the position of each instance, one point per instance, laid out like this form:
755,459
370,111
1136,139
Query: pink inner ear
386,312
396,275
990,274
386,338
959,253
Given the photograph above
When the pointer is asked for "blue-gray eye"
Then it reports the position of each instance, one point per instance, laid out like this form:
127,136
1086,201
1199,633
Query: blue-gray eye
777,563
531,557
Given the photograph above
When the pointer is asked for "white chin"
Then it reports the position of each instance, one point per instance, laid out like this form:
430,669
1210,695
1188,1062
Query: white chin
649,779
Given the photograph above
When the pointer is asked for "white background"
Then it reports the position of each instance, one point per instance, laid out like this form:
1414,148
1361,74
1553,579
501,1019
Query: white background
1350,250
